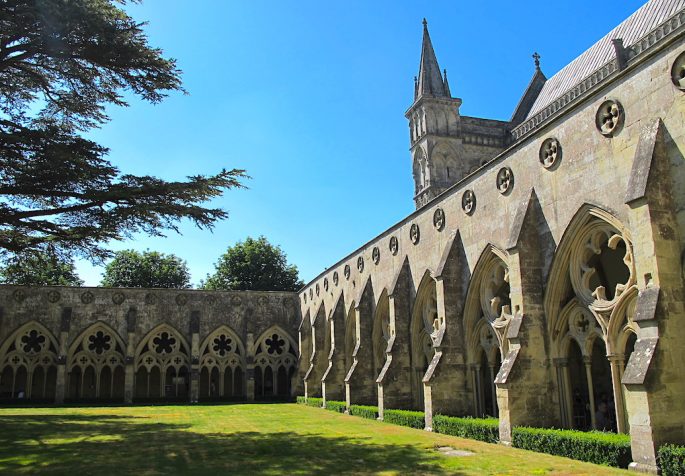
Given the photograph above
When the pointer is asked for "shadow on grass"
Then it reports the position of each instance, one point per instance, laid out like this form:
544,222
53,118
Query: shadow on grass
109,444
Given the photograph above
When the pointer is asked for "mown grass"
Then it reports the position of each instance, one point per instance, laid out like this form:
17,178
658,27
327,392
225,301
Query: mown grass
254,439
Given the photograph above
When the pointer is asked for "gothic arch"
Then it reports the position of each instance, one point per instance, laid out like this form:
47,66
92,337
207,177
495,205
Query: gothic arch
589,301
222,365
423,330
161,365
275,363
487,315
28,364
96,363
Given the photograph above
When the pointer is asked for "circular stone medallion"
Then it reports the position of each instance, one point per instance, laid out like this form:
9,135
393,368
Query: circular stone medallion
550,152
468,202
393,245
609,118
414,233
439,219
505,180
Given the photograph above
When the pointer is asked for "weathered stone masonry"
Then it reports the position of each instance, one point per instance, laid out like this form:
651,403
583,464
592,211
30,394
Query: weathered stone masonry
61,344
544,286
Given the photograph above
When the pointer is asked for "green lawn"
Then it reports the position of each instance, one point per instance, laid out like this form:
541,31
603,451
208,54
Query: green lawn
278,439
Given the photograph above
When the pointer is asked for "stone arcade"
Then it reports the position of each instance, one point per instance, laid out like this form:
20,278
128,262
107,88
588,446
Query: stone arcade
540,278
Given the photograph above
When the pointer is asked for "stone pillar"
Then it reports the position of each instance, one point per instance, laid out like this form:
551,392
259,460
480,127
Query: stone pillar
65,323
130,375
249,368
394,381
194,356
653,376
525,383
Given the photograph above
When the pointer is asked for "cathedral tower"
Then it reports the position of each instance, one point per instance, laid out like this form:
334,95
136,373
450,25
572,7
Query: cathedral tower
434,125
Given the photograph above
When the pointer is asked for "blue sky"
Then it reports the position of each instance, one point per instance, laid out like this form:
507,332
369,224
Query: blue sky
309,97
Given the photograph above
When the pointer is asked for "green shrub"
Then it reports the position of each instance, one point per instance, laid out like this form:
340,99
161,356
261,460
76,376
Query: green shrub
405,418
314,402
301,400
595,447
482,429
336,406
364,411
672,460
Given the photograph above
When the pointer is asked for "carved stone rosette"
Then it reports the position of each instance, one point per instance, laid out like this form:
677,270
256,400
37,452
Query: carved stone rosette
376,255
468,202
393,245
609,118
439,219
414,234
505,180
550,152
360,264
678,72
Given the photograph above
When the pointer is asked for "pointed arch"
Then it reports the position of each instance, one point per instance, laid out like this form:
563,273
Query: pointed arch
589,299
274,348
28,363
161,365
424,326
96,364
222,360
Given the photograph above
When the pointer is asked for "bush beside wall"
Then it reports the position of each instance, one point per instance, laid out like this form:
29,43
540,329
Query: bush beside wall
482,429
300,399
672,460
594,446
335,406
364,411
408,418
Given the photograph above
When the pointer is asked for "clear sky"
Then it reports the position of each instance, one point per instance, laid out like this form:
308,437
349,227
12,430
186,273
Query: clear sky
309,97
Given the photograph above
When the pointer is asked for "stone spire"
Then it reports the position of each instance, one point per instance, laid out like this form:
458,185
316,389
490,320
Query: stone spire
430,80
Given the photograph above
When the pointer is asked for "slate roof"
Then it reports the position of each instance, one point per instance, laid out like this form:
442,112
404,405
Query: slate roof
645,19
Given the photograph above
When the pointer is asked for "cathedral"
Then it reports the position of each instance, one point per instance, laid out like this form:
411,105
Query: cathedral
540,279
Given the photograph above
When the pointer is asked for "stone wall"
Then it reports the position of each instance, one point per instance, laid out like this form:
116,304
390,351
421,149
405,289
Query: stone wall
547,286
68,344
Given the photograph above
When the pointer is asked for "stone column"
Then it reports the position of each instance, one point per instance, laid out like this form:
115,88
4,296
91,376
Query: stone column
616,362
249,368
129,376
194,356
65,323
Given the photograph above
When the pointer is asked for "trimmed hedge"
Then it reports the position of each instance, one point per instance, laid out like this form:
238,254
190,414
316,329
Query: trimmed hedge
594,447
364,411
482,429
672,460
334,406
300,399
408,418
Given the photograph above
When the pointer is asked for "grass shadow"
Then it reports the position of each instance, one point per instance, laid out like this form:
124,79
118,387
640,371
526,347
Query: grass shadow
110,444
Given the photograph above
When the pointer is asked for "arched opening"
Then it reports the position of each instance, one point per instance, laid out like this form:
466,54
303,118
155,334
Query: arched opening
603,395
106,378
274,349
581,419
163,354
283,382
204,383
381,333
118,383
268,382
228,383
28,358
238,390
424,323
258,383
221,354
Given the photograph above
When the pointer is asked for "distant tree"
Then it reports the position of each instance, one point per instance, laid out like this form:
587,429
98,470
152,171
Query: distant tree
39,269
255,265
61,64
150,269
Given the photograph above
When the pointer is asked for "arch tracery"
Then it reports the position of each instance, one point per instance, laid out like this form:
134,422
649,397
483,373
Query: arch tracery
222,365
96,364
161,364
275,363
592,330
28,360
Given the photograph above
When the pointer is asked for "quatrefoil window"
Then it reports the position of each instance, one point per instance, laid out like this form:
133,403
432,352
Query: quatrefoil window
505,180
550,152
32,342
468,202
164,343
222,345
678,72
99,342
609,118
275,344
